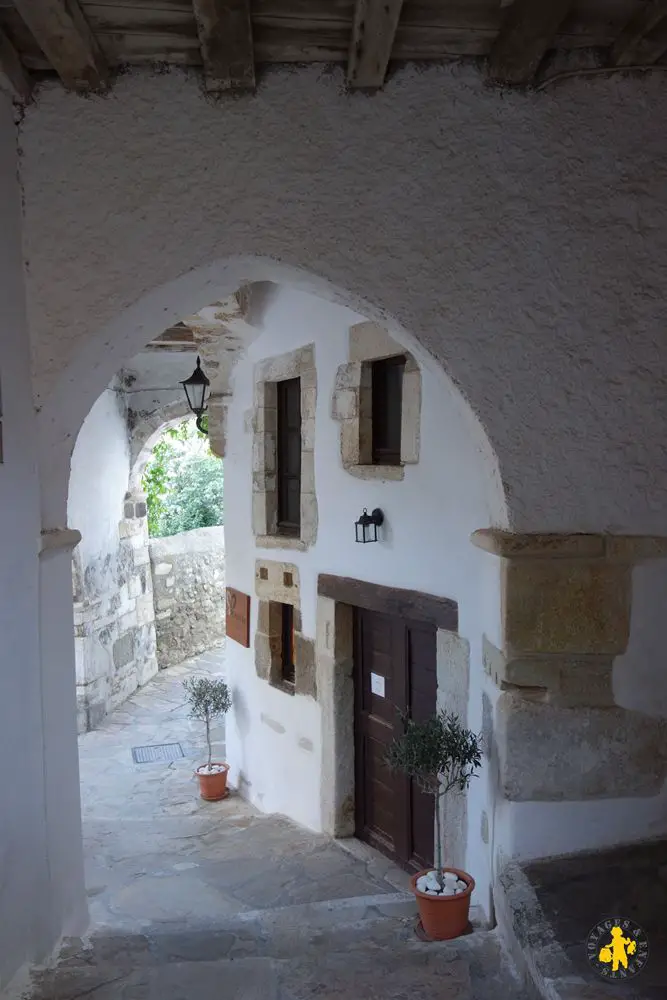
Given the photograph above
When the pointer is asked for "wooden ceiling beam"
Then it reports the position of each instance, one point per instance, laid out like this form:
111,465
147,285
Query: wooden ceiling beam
528,30
225,37
373,33
64,36
14,80
632,48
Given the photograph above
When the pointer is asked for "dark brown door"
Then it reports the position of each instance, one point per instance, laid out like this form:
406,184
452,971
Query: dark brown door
395,675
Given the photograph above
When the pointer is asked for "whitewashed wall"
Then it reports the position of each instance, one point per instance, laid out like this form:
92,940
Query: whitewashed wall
274,738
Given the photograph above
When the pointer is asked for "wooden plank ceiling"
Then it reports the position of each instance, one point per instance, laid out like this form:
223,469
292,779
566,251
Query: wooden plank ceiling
84,41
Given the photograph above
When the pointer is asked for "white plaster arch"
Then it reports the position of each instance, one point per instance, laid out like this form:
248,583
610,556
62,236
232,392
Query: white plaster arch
108,349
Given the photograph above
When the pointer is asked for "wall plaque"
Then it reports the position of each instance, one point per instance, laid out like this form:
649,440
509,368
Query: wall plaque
238,616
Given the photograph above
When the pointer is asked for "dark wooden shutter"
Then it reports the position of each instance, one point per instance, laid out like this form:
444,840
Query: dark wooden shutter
387,394
289,456
287,643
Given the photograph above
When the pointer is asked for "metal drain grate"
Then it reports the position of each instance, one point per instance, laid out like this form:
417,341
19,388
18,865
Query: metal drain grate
160,752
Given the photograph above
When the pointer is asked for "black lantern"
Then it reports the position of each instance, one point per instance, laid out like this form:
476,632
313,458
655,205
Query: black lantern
195,391
366,527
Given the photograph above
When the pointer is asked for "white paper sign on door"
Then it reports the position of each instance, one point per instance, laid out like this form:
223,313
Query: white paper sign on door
377,685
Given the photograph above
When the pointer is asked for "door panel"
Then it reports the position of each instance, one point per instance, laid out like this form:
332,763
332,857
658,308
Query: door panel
399,659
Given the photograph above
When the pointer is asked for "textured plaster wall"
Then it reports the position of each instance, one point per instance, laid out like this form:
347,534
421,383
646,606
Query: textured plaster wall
189,589
274,739
521,238
25,896
115,641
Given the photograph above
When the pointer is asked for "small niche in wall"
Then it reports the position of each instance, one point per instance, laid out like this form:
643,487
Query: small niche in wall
2,456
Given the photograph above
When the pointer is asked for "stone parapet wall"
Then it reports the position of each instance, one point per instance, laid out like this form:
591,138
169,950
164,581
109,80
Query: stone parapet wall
188,572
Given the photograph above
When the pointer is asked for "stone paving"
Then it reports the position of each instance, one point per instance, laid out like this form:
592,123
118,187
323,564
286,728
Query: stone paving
190,899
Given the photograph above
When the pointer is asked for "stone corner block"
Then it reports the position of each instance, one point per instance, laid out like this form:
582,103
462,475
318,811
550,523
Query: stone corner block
552,753
565,606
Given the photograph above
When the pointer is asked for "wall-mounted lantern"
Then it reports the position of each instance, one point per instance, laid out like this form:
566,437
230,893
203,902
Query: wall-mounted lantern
195,391
366,527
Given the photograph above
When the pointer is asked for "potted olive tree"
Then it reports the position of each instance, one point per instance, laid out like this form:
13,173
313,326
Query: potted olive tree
208,698
441,756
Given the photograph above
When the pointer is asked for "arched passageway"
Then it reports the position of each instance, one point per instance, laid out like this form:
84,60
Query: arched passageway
448,482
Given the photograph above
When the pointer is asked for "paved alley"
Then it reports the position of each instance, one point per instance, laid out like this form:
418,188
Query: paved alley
191,899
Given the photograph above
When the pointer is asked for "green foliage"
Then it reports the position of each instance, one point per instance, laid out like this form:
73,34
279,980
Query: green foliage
195,498
183,483
440,754
208,697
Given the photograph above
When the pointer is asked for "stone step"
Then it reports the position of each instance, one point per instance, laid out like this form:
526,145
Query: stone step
278,954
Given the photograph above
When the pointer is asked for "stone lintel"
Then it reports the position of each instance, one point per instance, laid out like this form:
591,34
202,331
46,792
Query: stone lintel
536,545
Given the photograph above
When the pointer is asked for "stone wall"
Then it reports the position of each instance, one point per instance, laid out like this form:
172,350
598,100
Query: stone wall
114,621
189,585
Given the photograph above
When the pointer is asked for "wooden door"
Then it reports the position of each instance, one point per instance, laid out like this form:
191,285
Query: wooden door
395,675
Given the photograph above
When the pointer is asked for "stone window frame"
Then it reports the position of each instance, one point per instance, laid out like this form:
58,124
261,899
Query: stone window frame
296,364
277,583
352,403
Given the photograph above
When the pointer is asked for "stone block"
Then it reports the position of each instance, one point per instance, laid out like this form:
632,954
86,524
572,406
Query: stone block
308,404
145,609
263,655
411,417
349,442
142,557
308,471
453,672
635,548
554,753
308,435
348,377
326,626
538,546
309,518
304,663
259,514
565,606
369,340
271,585
345,404
130,528
163,569
127,622
123,650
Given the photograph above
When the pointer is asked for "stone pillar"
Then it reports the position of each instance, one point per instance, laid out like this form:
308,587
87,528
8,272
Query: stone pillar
565,611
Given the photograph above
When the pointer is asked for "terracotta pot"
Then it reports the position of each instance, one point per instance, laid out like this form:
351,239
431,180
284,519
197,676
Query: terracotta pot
213,787
444,917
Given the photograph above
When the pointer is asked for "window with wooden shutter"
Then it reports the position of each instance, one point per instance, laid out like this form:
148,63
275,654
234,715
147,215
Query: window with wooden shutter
287,643
289,456
387,405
